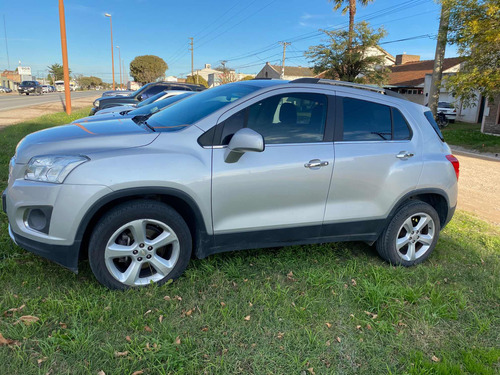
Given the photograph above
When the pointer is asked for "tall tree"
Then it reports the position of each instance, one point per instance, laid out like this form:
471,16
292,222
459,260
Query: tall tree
349,6
347,56
56,72
437,72
474,29
197,80
147,68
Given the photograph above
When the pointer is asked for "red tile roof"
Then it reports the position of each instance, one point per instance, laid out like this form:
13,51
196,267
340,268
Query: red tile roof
413,73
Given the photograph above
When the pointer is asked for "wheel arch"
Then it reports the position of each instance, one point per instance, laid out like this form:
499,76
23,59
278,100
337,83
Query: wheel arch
184,204
437,198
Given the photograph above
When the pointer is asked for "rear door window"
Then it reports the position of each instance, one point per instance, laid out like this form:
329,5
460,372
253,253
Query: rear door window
368,121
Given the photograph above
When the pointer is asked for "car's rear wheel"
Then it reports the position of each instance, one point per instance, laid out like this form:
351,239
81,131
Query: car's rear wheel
411,235
139,243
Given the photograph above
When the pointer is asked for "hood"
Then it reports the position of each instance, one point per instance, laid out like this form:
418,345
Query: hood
104,117
84,138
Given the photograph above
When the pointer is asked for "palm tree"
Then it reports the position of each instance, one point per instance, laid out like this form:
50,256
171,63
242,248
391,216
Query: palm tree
350,5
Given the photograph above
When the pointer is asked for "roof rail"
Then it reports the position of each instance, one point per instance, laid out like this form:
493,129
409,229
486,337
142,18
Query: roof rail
332,82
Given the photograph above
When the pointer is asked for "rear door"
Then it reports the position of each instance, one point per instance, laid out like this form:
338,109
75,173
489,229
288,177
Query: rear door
377,161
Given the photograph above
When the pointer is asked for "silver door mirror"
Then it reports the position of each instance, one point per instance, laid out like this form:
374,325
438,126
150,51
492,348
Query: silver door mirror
244,140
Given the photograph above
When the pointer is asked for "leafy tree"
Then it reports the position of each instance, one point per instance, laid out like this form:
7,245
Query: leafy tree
56,72
147,68
349,6
474,29
247,78
89,82
197,79
348,60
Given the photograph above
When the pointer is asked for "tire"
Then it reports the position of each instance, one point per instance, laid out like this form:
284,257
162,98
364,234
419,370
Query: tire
416,239
157,258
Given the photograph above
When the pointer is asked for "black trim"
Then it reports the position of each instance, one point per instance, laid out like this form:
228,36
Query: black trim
367,231
407,196
4,202
339,118
330,119
66,256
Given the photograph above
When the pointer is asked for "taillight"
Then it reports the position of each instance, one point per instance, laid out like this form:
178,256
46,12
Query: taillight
456,164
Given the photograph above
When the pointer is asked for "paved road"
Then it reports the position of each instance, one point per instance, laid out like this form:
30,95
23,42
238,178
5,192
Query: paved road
12,101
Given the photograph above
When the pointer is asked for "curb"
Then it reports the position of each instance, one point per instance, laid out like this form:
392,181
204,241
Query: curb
475,155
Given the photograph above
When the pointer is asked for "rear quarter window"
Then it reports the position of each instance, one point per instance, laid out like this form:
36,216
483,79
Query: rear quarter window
428,115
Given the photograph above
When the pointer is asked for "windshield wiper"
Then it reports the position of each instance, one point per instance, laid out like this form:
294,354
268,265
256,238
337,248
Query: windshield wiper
141,120
381,135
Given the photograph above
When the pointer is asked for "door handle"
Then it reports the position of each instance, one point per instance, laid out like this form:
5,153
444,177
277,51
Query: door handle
404,155
316,163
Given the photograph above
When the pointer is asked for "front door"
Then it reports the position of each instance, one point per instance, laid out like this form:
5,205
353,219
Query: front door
278,195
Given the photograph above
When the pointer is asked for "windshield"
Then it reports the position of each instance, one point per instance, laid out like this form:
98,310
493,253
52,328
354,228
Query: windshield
150,99
444,105
201,105
156,106
28,83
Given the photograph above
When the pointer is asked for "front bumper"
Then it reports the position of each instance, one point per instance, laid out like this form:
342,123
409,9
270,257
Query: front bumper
66,256
69,204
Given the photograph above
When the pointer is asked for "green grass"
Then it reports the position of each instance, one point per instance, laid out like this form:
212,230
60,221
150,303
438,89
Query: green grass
300,299
469,136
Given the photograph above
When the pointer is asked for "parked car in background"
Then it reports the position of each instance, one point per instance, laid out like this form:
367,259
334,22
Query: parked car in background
52,88
448,110
152,99
143,93
5,89
245,165
46,88
29,87
116,93
141,113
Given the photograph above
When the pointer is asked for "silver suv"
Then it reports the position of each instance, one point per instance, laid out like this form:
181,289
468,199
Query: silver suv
250,164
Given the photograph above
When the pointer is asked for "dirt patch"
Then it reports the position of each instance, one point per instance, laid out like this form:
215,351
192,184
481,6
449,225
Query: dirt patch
14,116
479,187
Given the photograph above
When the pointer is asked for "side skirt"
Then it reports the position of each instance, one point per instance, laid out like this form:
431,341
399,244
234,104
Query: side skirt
367,231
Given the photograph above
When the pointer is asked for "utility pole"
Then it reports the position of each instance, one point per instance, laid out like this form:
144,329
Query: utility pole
112,55
64,48
437,73
284,44
192,59
120,65
124,77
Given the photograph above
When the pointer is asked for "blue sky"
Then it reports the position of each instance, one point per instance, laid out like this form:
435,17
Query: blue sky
243,32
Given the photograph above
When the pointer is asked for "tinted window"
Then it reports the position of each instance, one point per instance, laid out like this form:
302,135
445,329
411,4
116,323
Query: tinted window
290,118
153,91
158,105
434,125
366,121
232,125
150,100
197,106
400,126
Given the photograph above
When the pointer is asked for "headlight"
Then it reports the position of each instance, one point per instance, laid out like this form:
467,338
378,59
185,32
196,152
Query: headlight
52,168
96,103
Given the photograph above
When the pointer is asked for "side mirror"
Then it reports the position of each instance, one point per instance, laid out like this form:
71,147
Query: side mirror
139,97
244,140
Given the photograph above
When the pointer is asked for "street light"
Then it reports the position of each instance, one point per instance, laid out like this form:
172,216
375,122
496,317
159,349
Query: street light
112,56
120,59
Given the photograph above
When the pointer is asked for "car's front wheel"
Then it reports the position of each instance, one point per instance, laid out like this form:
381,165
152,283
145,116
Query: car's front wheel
139,243
411,235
